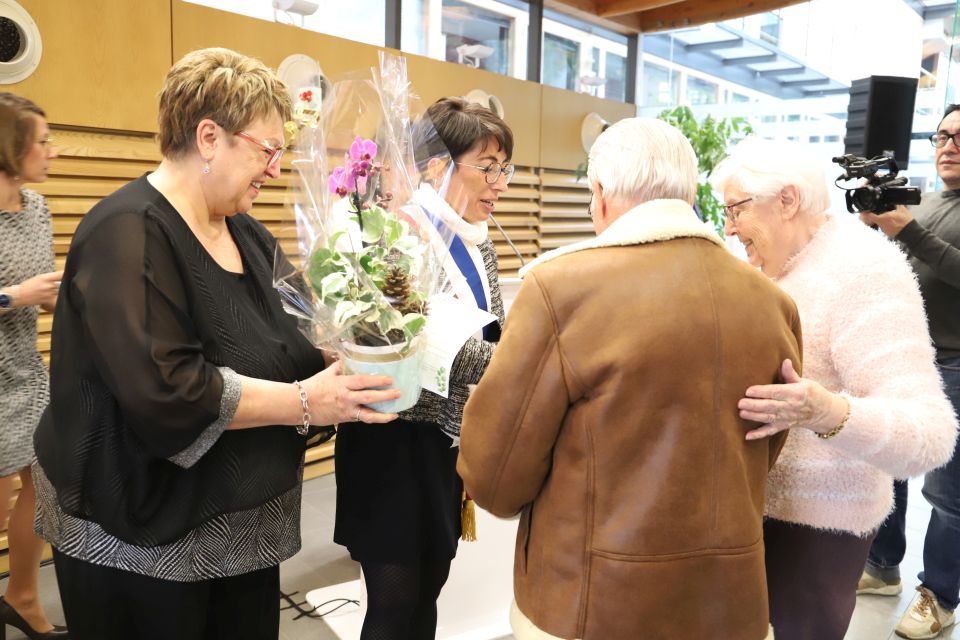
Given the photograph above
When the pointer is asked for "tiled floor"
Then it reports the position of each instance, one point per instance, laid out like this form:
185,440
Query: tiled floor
323,563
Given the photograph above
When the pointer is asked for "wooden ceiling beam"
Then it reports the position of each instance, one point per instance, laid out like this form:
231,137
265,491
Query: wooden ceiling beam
586,10
611,8
691,13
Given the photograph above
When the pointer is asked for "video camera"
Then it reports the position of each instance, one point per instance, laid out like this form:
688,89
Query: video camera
883,190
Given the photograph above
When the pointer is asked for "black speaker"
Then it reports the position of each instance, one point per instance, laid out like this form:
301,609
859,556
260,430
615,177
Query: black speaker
880,117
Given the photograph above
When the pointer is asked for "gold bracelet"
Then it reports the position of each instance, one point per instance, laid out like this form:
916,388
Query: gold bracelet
836,429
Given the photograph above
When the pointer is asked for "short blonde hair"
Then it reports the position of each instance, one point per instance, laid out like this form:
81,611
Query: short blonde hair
641,159
229,88
764,167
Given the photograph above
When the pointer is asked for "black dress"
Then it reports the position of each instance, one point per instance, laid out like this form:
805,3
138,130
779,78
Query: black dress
398,492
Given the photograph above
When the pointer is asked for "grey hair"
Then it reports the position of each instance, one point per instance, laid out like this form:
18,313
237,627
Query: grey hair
642,159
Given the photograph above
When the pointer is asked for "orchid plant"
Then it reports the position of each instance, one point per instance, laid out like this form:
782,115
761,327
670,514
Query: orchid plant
371,288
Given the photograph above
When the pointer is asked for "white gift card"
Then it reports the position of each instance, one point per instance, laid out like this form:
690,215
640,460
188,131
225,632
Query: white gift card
449,323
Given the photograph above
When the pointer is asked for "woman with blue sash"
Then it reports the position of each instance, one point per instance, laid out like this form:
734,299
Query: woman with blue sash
398,493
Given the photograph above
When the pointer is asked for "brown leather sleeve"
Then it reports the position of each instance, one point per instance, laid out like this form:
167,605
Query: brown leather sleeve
511,421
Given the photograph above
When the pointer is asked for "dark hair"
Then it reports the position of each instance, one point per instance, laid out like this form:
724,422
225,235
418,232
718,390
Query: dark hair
17,127
461,124
950,109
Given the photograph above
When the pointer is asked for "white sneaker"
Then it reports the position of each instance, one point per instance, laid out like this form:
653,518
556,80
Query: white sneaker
870,585
925,618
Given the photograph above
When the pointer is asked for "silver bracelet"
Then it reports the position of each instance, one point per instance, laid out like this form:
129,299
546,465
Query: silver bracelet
303,429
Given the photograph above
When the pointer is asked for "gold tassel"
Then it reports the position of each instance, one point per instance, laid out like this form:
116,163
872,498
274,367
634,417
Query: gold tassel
468,519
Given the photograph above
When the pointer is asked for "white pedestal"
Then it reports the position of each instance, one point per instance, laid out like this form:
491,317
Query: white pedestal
475,602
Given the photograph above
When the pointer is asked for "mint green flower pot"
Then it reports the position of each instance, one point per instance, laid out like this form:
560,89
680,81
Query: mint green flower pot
404,368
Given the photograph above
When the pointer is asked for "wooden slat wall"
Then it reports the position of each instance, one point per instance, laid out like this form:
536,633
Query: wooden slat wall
564,203
518,212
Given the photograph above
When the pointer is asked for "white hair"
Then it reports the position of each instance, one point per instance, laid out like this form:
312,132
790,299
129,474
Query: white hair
642,159
764,167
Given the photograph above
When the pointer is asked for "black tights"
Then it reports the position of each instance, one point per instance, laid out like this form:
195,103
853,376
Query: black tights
402,599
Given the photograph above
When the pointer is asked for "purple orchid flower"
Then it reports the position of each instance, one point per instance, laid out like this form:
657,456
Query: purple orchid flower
353,176
342,181
363,150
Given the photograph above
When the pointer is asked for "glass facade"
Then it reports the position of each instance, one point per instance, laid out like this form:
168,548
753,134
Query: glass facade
560,62
364,22
700,91
477,36
485,34
661,86
616,87
921,40
582,57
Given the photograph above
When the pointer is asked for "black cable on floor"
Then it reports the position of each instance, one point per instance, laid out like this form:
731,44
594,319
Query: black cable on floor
310,611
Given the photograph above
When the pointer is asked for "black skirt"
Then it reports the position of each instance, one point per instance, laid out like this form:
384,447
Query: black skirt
398,493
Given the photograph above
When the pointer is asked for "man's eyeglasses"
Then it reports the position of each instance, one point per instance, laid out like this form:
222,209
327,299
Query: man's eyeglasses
940,139
731,209
272,154
492,173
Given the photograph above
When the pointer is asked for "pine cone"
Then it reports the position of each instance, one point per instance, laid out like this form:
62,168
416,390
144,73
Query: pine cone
396,288
397,285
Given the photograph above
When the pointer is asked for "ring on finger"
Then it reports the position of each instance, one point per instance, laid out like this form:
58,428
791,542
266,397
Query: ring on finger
359,409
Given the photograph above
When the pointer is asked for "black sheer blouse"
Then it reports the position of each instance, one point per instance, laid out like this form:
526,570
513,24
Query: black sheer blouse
145,328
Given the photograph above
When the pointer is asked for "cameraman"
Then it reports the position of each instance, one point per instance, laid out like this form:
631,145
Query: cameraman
930,234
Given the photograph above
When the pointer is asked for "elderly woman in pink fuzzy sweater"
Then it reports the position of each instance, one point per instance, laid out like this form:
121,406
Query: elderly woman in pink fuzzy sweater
870,406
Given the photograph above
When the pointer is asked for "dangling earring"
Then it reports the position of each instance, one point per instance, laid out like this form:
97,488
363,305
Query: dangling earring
206,168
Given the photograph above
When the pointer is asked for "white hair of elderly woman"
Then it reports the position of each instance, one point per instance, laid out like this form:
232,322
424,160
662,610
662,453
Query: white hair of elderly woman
641,159
764,167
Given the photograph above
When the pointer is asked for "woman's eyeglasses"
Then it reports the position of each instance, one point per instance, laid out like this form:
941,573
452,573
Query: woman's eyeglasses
272,154
731,209
492,172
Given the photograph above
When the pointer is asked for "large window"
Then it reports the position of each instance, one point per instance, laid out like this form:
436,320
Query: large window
560,62
661,86
701,91
486,34
583,57
364,22
770,26
616,87
476,36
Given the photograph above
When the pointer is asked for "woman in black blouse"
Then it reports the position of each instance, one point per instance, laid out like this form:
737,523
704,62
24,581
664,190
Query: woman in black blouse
168,511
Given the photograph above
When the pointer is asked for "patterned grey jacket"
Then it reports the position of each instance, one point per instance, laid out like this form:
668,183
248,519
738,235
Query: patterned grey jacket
469,365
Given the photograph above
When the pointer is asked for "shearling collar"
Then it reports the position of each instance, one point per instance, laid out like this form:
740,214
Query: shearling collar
653,221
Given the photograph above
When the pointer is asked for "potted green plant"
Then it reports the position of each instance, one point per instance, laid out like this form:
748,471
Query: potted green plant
370,282
710,140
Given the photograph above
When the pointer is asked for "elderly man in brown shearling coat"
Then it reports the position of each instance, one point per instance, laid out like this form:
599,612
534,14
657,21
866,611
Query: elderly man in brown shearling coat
608,415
